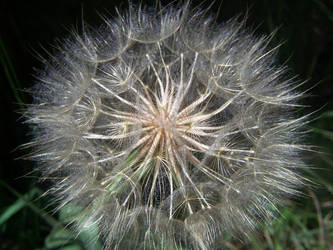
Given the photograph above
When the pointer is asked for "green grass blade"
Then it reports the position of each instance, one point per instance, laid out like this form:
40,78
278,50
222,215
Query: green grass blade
324,9
10,74
48,218
11,210
325,133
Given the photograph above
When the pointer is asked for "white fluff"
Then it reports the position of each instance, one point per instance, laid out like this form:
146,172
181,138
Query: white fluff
168,130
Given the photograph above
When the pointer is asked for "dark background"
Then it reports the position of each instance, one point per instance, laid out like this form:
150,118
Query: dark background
305,27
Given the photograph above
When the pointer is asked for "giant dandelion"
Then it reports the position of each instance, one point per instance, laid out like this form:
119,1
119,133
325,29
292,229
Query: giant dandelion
168,130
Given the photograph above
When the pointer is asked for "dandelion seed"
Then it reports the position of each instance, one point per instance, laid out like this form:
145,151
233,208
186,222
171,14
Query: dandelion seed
167,130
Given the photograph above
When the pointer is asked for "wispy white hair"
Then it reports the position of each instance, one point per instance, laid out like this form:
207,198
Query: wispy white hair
168,130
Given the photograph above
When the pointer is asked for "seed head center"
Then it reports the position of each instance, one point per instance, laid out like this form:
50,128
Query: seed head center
164,122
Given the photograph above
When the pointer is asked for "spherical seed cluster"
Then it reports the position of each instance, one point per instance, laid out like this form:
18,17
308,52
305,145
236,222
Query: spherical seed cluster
168,130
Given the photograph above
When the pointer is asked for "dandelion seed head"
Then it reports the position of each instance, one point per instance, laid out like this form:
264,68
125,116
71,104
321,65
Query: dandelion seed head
168,130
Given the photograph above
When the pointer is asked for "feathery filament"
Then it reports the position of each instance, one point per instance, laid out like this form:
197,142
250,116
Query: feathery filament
167,130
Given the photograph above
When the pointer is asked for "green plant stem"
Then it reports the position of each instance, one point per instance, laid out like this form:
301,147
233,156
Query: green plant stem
48,218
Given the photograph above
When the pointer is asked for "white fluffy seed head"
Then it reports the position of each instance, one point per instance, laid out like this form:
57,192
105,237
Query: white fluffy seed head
168,130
